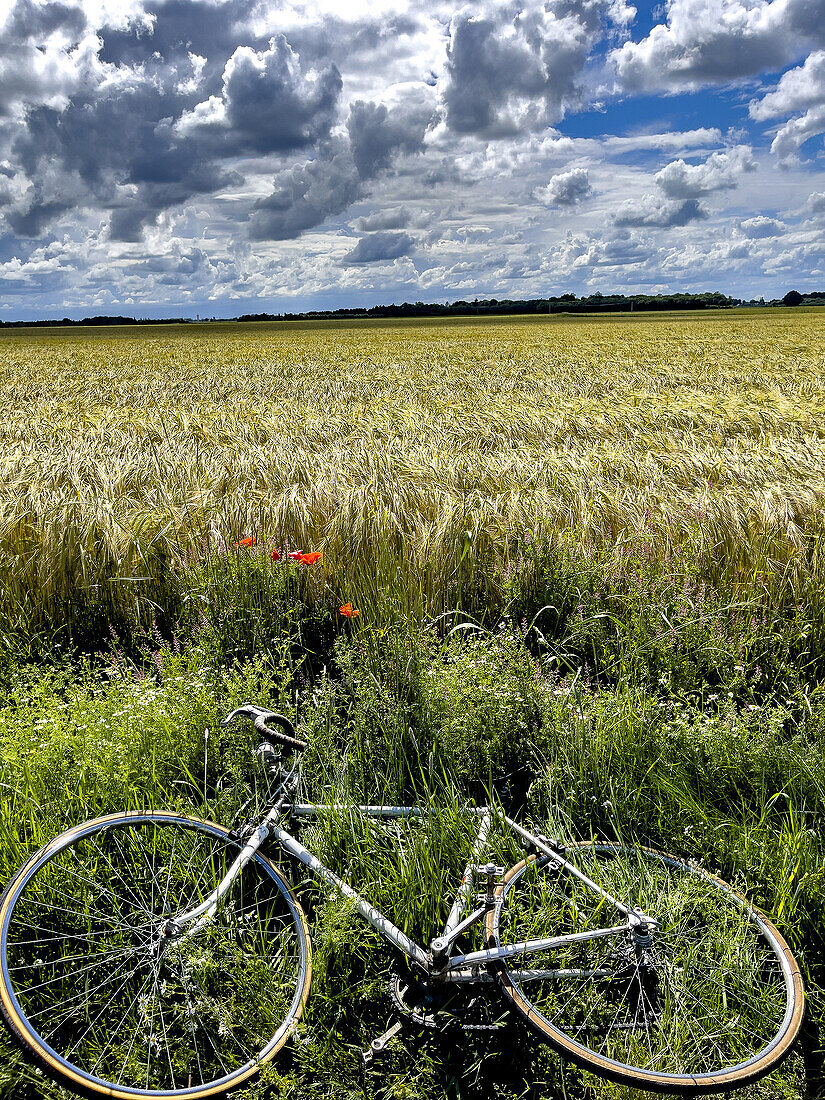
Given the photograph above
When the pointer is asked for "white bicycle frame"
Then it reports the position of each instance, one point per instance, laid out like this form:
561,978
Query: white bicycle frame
436,961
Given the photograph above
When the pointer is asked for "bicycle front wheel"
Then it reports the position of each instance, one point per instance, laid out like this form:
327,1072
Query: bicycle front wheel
112,997
702,996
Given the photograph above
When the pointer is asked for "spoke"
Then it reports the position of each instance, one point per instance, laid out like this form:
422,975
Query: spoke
106,1003
124,857
764,1040
90,882
165,899
77,996
84,878
190,1016
79,913
60,959
103,855
151,1028
166,1043
116,1032
57,938
757,1009
74,972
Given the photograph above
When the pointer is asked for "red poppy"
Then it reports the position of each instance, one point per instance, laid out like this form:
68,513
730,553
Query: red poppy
349,611
249,541
305,559
296,555
275,555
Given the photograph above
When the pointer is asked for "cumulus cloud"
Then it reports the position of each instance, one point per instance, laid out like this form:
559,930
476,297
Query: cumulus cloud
652,210
518,67
134,139
565,188
380,246
267,103
761,226
377,134
718,41
307,194
719,172
231,126
800,90
397,218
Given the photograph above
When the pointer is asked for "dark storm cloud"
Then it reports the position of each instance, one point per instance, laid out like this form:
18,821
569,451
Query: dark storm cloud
380,246
33,221
267,103
177,27
163,110
651,210
353,40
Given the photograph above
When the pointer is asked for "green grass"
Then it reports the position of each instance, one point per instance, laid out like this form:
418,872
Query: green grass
581,722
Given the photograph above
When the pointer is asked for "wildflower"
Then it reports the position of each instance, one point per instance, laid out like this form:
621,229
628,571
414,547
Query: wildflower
348,611
249,541
304,559
275,555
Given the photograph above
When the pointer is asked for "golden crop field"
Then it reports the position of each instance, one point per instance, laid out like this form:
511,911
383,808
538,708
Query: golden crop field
440,441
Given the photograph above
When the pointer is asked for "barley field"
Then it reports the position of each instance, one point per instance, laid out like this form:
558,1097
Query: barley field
123,452
574,565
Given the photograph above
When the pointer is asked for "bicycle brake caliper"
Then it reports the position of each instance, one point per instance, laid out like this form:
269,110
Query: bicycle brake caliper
491,873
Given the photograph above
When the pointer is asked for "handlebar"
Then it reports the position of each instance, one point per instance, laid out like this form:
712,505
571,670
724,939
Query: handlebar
260,716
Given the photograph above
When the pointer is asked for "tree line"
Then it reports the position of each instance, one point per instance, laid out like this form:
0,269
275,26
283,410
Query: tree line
563,303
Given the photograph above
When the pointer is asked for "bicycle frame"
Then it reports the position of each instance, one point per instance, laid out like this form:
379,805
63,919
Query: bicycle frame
436,961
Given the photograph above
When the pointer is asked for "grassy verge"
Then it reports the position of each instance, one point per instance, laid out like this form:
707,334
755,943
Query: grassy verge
609,695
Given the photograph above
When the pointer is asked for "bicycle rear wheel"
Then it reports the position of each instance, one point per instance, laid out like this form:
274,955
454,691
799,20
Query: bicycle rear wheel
705,997
108,995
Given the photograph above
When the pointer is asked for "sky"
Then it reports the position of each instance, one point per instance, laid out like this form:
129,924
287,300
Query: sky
218,157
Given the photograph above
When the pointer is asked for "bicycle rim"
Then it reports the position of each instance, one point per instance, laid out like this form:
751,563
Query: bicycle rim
103,990
713,1001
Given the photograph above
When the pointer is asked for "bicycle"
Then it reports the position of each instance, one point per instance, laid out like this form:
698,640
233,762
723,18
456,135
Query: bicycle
127,941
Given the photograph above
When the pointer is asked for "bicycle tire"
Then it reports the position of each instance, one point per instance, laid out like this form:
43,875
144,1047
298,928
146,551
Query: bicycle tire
106,997
715,1003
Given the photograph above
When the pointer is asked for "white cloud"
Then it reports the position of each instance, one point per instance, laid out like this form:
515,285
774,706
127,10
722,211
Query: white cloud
232,164
760,227
516,68
800,89
707,42
565,188
720,172
653,210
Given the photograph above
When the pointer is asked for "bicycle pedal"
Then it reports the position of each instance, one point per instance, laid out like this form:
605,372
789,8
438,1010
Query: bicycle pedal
378,1046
